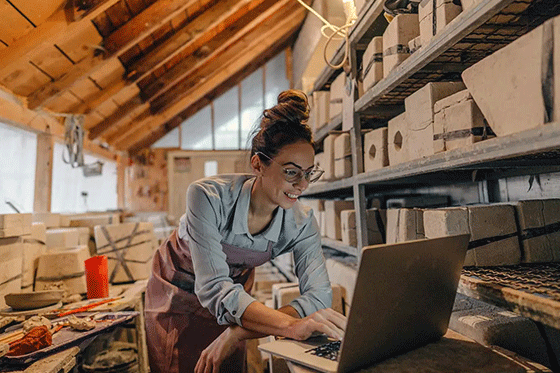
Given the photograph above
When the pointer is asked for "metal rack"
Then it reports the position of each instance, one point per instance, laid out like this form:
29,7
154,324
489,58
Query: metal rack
473,35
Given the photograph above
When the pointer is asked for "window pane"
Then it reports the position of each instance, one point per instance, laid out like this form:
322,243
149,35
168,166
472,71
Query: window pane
252,105
196,132
171,140
226,120
276,80
73,192
18,151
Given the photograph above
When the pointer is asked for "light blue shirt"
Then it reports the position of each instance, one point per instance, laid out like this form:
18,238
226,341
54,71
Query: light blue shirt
217,211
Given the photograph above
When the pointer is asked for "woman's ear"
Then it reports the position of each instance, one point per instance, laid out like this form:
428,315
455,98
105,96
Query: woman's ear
256,165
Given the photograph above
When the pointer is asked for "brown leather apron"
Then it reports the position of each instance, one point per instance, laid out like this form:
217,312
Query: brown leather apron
178,328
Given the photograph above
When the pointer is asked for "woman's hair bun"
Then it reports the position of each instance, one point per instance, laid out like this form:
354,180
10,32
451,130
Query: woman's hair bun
294,105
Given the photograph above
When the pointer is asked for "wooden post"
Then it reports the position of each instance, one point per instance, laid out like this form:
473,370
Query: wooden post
43,173
122,163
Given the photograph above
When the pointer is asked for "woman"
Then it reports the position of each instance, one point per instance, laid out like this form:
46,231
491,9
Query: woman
198,307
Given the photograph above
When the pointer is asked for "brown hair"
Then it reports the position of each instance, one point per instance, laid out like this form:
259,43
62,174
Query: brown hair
283,124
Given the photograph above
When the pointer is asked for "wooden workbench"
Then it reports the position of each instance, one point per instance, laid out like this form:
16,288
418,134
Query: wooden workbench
452,353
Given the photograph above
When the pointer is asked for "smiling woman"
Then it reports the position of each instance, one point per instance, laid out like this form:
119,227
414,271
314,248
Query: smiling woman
198,308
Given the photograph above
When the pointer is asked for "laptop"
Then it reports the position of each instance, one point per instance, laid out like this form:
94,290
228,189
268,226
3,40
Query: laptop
402,300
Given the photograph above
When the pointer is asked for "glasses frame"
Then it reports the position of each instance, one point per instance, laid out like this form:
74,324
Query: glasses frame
303,174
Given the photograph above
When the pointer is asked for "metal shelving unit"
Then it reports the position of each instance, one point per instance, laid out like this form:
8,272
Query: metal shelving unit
473,35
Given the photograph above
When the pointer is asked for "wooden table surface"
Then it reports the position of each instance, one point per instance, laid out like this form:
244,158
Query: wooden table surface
452,353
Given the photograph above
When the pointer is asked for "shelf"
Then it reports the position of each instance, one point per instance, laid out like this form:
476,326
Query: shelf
334,124
339,246
368,25
538,148
341,186
532,148
532,290
474,34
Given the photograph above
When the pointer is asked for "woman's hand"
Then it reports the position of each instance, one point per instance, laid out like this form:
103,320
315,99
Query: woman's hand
220,349
326,321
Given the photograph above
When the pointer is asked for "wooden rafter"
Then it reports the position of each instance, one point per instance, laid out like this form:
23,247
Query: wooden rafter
84,68
257,51
219,34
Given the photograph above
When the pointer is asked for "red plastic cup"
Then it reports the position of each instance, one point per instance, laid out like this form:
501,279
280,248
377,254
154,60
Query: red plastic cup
97,277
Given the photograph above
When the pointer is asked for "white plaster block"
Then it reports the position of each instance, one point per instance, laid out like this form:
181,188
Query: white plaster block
404,225
376,154
328,157
321,101
376,222
373,63
336,95
342,156
332,212
402,29
508,85
397,141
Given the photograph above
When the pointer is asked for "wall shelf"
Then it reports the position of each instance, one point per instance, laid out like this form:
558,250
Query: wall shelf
334,124
473,35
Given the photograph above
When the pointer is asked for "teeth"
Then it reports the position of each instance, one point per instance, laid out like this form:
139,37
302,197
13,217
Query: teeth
294,196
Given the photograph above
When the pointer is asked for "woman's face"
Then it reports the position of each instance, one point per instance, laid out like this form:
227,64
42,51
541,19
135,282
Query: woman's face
279,191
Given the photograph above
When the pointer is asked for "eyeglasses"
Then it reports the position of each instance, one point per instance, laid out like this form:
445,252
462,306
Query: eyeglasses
296,174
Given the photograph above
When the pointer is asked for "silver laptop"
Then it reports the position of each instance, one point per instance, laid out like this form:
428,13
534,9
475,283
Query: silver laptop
403,299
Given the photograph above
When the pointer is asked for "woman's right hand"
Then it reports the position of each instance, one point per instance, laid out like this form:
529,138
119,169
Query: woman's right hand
326,321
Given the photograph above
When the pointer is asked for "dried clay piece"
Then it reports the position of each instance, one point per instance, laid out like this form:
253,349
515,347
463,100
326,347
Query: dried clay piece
80,324
36,321
38,338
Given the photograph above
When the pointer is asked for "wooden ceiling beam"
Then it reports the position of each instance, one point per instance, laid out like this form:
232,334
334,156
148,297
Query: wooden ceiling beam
192,62
84,68
194,35
102,127
182,42
256,51
54,30
192,65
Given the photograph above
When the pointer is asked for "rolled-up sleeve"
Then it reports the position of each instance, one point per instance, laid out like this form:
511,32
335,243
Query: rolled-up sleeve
314,284
213,286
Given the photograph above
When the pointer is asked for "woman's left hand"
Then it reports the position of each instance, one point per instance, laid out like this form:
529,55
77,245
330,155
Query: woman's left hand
220,349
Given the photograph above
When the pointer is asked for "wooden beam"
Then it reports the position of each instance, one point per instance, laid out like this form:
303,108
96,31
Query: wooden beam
195,35
50,32
175,86
223,42
43,173
84,68
104,125
254,53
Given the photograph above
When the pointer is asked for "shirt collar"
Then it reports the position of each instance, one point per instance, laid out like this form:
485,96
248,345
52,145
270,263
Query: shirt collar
241,215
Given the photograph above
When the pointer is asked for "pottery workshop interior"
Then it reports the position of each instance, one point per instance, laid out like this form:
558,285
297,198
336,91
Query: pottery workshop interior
279,186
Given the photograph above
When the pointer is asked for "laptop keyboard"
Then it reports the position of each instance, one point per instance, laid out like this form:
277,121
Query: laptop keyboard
328,350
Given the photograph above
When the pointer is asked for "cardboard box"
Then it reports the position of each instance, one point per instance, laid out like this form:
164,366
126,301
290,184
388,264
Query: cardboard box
376,154
448,222
404,225
129,248
333,209
328,157
59,238
14,225
539,223
342,156
33,247
63,270
321,106
508,85
11,257
494,237
446,11
420,116
283,294
397,142
336,95
343,272
458,122
402,29
50,219
376,222
373,63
